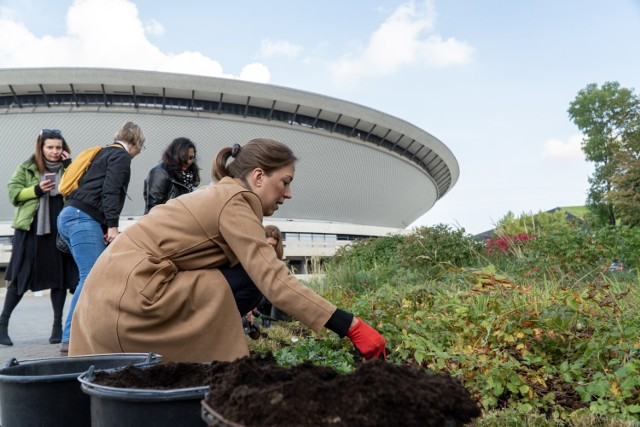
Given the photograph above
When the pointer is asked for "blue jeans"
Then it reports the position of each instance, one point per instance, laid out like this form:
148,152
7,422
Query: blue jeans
86,240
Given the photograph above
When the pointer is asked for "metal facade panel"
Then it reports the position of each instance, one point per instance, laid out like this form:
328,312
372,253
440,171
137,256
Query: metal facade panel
336,180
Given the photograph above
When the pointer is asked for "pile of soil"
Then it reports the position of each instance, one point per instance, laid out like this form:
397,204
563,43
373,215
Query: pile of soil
257,392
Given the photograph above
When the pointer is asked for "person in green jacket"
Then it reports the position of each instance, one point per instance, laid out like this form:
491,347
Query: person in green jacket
36,264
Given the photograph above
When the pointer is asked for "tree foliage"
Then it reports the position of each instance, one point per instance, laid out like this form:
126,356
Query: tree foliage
608,116
625,194
511,225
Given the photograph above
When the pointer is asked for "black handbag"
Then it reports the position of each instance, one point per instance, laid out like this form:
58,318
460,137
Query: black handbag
62,244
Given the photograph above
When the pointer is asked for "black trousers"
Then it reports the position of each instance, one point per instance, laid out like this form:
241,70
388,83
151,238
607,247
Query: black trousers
247,295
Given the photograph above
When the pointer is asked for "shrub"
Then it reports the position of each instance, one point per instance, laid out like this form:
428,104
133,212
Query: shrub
365,264
435,249
425,253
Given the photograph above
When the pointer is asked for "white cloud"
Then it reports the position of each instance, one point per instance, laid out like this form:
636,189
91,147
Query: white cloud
400,42
556,149
255,72
192,63
269,49
15,37
154,27
92,40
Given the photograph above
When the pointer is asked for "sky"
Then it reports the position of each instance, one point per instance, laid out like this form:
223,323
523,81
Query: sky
491,79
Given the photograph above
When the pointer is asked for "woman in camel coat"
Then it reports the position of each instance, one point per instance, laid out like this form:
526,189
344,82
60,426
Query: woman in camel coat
176,282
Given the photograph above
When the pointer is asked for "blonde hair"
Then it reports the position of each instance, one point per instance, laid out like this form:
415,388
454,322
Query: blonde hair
131,133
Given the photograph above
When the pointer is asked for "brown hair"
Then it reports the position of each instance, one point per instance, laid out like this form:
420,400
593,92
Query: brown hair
38,155
265,154
131,133
274,232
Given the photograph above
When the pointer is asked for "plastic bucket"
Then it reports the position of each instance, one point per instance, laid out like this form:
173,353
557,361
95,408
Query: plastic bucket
46,392
122,407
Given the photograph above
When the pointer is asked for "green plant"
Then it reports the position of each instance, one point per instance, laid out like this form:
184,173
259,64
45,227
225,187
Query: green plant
325,352
434,250
557,345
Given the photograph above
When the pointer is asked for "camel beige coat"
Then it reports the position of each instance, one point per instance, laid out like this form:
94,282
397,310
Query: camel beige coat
157,287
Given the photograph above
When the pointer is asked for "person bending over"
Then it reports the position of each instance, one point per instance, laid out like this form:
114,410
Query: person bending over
163,285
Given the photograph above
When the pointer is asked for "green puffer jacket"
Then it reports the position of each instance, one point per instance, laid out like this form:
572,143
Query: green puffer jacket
24,195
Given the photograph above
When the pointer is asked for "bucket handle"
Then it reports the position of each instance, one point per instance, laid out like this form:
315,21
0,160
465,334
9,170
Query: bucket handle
12,362
150,358
89,374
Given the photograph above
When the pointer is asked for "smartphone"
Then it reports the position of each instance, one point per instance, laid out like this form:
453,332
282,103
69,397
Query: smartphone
50,177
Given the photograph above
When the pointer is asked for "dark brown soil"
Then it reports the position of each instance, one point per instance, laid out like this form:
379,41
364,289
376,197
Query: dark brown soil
159,377
256,392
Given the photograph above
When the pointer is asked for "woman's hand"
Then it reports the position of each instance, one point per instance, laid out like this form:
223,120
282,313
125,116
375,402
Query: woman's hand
46,185
112,233
64,155
367,340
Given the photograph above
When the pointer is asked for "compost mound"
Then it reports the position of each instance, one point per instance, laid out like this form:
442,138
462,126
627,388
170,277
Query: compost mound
257,392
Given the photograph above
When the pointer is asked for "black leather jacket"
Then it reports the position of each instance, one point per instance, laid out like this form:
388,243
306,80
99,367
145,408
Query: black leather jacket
159,187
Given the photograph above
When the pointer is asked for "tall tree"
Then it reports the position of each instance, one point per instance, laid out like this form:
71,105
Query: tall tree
608,117
625,193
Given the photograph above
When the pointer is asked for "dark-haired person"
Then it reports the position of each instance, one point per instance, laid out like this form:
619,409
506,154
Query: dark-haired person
164,285
36,264
176,174
274,239
90,218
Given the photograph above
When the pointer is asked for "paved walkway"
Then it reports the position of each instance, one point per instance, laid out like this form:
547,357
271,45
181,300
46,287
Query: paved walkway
30,328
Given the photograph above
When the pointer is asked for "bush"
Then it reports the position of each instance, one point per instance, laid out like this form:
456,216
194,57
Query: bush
424,254
365,264
436,249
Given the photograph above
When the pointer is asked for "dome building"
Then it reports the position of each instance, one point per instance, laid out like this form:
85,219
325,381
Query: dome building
360,172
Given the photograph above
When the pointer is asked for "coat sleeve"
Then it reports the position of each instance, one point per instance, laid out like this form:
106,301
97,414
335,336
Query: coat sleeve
157,187
116,180
244,233
20,190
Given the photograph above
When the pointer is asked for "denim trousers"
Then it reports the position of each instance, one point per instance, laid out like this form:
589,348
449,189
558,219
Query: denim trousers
86,240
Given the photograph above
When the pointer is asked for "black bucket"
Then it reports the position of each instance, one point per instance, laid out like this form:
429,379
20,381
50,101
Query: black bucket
122,407
46,392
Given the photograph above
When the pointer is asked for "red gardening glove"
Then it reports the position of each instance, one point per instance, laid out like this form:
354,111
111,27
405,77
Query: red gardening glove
367,340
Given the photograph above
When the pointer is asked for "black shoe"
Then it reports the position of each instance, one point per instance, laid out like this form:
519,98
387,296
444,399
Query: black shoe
4,334
56,334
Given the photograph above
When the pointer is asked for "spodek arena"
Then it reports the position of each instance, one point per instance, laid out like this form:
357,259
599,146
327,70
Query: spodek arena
360,172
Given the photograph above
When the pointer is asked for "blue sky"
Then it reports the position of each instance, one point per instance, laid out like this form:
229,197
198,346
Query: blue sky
491,79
